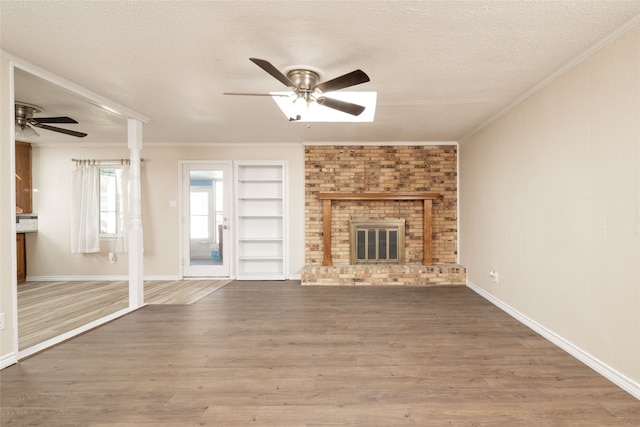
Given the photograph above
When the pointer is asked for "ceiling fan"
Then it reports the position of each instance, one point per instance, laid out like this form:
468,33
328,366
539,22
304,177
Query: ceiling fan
305,85
25,121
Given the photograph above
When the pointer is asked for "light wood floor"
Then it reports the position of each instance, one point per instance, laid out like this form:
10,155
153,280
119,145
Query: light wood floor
49,309
278,354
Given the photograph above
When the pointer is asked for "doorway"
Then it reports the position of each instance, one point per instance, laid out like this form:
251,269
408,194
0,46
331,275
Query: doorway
205,207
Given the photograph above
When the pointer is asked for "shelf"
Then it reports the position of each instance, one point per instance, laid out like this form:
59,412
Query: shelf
260,198
409,195
261,221
260,172
259,181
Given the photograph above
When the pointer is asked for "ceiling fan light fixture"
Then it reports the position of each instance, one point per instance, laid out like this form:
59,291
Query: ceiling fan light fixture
313,111
25,131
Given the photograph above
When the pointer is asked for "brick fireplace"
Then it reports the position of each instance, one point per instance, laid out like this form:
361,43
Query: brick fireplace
417,184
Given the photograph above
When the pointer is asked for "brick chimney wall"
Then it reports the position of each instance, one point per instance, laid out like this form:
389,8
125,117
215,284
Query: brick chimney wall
375,169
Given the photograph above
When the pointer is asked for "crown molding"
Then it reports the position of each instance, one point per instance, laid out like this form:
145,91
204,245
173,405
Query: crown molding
74,89
611,37
379,143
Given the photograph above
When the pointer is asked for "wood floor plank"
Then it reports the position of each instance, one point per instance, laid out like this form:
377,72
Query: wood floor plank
49,309
278,354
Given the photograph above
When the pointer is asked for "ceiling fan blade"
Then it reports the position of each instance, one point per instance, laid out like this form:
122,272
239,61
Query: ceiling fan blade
345,107
254,94
269,68
53,120
350,79
61,130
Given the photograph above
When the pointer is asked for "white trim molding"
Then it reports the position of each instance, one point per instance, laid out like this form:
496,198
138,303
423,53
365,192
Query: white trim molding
223,144
627,384
74,89
8,360
96,278
379,143
611,37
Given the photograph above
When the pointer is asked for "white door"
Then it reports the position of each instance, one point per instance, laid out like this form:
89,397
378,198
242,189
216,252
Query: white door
206,246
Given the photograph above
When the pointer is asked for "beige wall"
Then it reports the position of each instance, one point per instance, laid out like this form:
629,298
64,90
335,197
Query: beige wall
550,198
48,253
48,250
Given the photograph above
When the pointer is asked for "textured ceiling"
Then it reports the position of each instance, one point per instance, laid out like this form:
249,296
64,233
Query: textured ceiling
441,68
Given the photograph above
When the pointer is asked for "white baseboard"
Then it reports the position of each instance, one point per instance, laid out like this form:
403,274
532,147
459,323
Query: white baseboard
96,278
8,360
630,386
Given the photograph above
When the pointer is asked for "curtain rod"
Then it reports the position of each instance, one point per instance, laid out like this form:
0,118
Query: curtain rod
103,161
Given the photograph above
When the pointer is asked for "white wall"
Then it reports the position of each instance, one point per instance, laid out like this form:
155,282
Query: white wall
550,198
48,250
8,343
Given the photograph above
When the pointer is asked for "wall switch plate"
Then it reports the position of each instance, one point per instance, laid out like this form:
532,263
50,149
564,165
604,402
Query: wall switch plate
494,275
1,321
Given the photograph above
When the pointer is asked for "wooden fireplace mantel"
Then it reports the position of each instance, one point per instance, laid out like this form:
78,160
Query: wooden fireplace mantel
327,198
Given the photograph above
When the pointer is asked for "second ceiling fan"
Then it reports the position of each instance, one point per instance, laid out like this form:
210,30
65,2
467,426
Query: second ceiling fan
24,121
305,84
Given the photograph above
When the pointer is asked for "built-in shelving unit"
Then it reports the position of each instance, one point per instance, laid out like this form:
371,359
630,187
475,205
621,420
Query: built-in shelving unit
261,220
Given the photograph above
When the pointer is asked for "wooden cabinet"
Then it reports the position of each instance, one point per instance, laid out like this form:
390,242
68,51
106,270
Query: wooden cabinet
261,208
21,257
24,202
23,178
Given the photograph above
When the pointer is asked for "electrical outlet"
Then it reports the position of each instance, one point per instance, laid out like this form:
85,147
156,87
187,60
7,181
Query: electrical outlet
494,275
1,321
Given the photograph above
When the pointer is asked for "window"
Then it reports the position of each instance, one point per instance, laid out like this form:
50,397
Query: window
199,213
110,201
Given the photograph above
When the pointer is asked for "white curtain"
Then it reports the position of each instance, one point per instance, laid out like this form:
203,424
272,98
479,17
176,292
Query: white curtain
122,184
85,215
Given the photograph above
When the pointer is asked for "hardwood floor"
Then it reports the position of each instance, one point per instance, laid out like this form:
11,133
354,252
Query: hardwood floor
49,309
278,354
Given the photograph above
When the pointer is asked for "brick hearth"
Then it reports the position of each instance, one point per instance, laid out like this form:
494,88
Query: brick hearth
402,275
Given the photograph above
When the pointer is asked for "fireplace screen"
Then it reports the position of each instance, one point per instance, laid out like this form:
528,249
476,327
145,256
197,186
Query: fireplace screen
377,241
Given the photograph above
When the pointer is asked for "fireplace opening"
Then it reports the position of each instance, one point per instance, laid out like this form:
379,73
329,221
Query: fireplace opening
379,241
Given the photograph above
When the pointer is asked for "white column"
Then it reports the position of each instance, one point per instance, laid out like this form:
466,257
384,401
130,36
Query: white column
136,284
8,278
